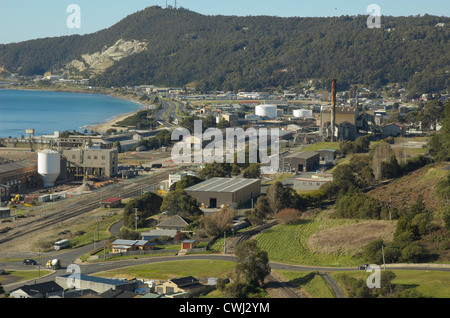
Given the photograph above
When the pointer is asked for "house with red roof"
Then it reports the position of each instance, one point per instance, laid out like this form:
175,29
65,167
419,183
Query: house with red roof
393,129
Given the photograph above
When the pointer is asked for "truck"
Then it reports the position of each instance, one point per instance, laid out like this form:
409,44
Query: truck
53,264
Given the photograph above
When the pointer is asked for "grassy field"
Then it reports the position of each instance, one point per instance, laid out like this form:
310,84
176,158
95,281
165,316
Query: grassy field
23,275
174,269
434,284
310,282
289,243
322,145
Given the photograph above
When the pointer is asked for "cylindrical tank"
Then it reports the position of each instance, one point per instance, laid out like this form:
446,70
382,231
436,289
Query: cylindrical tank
266,110
302,113
49,166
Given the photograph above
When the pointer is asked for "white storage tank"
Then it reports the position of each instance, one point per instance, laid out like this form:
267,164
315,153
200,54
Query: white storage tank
49,166
266,110
302,113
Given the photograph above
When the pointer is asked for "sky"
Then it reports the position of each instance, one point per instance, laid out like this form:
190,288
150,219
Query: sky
22,20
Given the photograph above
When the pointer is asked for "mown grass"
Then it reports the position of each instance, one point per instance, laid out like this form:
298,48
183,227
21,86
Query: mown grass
288,243
173,269
322,145
434,284
311,282
24,275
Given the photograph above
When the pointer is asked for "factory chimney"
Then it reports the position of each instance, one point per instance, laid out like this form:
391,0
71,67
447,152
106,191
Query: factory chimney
333,109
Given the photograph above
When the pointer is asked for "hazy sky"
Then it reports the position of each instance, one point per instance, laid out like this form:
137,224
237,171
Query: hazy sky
29,19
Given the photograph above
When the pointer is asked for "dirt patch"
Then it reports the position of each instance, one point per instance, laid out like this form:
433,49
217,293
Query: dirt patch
350,238
404,191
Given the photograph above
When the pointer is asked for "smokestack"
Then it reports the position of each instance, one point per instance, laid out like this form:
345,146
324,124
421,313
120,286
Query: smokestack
333,109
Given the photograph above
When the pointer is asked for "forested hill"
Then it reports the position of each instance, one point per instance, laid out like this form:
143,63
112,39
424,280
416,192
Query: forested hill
251,53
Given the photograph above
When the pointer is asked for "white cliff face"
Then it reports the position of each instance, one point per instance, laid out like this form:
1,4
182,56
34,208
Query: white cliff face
98,62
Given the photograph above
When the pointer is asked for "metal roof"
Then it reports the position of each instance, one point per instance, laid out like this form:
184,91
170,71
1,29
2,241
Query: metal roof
16,165
223,185
303,155
101,280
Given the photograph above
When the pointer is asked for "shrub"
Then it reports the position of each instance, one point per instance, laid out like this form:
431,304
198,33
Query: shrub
289,215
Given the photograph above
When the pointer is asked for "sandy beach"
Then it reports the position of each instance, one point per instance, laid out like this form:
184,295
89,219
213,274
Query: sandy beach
103,127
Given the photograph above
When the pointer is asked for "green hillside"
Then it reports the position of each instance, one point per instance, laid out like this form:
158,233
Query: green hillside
254,52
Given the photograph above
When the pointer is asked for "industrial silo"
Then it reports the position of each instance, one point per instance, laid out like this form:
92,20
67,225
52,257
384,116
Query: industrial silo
49,166
266,110
302,113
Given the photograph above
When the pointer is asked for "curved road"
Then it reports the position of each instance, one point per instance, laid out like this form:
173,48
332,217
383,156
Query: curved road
71,256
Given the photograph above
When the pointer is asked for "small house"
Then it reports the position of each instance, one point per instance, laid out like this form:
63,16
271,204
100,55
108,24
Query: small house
111,202
187,244
175,222
392,129
121,246
184,286
41,290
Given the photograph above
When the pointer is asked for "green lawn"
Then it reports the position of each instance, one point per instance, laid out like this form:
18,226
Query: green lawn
24,275
322,145
173,269
311,282
429,283
288,243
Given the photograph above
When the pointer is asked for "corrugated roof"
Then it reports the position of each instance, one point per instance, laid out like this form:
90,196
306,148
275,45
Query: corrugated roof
100,280
303,155
129,242
223,185
16,165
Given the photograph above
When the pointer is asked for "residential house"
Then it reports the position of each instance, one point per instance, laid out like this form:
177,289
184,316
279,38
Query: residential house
175,222
120,246
41,290
184,287
392,129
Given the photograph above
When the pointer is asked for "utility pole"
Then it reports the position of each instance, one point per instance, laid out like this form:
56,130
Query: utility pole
135,217
39,264
225,242
382,251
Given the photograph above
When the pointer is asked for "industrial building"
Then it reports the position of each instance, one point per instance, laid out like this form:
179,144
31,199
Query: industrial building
217,192
311,183
345,122
92,162
18,175
97,284
302,161
327,155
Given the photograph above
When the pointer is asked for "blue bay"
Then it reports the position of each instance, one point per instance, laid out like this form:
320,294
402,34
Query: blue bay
47,112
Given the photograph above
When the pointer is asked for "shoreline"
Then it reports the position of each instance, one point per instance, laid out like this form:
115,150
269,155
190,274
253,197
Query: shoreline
100,127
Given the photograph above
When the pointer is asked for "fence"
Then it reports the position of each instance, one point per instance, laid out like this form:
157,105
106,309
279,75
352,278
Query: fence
133,253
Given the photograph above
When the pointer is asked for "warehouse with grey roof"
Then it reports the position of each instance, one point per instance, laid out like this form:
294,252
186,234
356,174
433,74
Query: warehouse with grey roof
216,192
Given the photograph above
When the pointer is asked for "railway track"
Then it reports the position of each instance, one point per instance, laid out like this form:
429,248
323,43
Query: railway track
68,210
281,288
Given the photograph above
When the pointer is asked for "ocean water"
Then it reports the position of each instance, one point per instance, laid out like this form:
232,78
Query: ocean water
47,112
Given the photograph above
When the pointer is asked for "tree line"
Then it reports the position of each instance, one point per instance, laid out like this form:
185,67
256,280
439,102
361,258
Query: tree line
234,53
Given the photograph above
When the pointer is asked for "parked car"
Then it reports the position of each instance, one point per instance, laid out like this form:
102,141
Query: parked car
364,267
29,261
2,271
